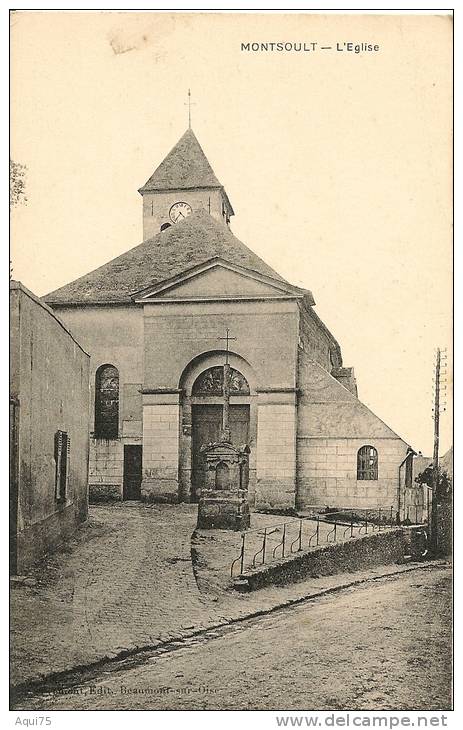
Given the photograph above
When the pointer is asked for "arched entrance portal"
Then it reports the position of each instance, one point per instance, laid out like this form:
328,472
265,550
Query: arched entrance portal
203,408
207,415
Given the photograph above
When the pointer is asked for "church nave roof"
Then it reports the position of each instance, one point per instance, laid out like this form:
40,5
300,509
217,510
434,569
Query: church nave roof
193,241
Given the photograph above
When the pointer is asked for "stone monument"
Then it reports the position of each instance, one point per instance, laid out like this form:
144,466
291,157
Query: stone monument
223,500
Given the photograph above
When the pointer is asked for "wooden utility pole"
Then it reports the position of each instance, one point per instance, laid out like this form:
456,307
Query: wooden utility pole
436,421
435,464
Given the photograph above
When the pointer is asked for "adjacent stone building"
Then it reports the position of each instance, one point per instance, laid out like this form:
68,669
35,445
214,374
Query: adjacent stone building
49,430
154,320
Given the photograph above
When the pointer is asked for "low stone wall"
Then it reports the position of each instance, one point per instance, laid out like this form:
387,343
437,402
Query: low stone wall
381,548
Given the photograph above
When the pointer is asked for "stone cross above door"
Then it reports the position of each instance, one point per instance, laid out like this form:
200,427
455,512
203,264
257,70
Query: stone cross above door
226,436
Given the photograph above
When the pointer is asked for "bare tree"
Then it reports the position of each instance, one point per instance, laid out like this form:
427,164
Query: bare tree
17,184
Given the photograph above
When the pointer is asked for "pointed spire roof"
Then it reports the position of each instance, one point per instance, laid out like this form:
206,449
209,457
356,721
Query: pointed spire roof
186,166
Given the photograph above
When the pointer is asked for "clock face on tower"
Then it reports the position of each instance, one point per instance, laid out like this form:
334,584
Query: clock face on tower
179,211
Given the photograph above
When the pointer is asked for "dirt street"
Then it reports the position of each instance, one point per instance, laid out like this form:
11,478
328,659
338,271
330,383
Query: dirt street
126,581
384,645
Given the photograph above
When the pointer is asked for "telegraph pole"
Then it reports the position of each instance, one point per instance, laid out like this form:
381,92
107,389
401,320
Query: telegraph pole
435,465
436,420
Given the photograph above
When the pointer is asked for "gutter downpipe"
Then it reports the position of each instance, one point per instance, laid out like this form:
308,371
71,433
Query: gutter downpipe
409,453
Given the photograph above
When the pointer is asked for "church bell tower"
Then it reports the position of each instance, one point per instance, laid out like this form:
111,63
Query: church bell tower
183,183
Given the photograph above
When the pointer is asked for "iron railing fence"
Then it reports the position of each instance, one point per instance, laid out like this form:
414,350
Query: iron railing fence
280,540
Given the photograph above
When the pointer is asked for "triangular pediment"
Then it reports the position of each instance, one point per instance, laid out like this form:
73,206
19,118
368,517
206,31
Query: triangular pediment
219,279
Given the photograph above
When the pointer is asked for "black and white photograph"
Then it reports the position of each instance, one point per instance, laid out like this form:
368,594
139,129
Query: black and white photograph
231,363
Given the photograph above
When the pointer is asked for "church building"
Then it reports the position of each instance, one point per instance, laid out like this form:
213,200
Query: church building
158,321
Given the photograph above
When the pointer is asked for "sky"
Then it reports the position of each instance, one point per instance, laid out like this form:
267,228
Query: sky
338,165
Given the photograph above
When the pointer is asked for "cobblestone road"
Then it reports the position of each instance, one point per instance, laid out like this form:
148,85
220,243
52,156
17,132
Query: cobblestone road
383,645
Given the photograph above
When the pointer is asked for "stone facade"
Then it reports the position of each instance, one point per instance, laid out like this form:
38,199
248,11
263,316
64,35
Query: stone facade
156,207
327,473
165,347
105,472
49,394
276,450
306,426
161,423
114,336
157,314
333,425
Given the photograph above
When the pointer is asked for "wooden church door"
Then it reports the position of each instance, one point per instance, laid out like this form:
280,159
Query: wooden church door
132,472
206,428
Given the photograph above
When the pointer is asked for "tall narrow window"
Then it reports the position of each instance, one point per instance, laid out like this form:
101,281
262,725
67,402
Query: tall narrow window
106,402
367,463
62,447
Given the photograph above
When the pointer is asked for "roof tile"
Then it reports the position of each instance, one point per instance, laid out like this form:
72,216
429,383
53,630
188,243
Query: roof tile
186,166
192,241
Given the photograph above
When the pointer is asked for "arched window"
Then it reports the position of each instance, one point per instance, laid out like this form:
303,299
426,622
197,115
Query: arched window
210,382
165,226
106,402
367,463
